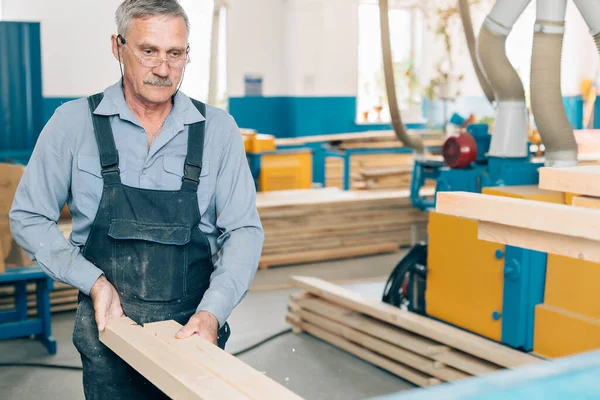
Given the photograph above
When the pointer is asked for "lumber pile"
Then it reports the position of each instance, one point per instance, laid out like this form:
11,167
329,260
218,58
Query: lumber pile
191,368
418,349
372,172
62,298
322,224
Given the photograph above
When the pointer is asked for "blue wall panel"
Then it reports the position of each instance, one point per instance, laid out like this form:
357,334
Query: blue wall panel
300,116
21,113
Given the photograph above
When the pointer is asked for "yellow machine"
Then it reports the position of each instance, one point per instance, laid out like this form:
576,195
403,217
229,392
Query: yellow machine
534,301
273,169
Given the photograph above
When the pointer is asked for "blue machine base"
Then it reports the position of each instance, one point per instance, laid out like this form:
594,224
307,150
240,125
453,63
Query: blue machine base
574,377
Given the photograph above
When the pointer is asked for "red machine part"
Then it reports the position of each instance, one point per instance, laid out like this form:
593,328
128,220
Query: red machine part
459,151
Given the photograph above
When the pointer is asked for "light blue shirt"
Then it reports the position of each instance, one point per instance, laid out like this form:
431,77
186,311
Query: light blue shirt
65,168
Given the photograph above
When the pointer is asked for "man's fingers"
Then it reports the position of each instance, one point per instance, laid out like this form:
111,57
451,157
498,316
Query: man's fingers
100,316
185,331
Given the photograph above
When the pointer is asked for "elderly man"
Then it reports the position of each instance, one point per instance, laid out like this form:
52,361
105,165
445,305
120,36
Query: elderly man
165,224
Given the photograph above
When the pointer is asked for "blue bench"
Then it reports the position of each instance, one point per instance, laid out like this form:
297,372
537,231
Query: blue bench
16,323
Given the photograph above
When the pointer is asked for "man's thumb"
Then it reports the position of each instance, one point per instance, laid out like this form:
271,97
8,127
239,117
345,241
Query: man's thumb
185,332
100,321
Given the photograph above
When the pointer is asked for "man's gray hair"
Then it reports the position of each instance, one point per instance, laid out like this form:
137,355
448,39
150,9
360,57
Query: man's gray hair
131,9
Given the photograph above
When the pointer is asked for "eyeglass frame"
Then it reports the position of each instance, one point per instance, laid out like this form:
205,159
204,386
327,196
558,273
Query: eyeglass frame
139,57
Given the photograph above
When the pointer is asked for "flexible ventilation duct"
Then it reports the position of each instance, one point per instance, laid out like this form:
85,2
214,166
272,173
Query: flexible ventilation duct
546,96
400,130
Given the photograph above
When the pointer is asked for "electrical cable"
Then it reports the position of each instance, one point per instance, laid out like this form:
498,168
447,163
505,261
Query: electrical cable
393,292
76,368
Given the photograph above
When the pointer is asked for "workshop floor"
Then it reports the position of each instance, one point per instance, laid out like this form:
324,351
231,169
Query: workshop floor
306,365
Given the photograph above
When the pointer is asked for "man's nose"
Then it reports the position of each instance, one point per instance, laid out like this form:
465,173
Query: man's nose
162,70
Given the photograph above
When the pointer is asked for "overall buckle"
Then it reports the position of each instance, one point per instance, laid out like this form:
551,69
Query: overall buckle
192,173
111,169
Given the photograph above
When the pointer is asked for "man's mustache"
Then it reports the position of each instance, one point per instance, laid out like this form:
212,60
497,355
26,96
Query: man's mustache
159,82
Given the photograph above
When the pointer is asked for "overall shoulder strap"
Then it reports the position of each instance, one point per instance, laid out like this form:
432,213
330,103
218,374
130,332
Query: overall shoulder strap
109,157
195,149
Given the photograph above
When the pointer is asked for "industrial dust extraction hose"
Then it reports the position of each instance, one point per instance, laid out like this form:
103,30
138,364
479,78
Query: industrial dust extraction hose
465,16
510,133
546,96
400,130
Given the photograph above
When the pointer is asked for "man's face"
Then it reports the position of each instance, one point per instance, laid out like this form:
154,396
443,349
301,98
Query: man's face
159,37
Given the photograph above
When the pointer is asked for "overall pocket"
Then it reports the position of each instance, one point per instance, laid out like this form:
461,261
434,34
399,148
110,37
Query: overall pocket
150,260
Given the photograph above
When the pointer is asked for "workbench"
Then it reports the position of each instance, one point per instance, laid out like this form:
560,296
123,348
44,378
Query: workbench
16,323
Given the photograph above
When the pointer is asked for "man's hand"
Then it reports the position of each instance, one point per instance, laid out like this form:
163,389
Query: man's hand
204,324
106,302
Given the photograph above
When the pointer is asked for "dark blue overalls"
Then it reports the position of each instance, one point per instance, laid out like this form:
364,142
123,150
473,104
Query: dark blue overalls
149,245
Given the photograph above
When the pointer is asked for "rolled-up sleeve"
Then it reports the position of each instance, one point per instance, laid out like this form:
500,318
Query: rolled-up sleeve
40,197
242,234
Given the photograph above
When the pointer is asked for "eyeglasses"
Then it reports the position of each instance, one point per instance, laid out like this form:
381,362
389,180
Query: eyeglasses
151,61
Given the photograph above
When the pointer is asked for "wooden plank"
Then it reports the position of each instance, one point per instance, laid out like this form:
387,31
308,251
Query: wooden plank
329,254
466,362
223,365
535,215
409,358
568,246
177,376
390,333
585,201
435,330
584,180
394,335
405,372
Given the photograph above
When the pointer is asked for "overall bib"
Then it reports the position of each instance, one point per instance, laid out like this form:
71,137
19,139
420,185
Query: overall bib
149,245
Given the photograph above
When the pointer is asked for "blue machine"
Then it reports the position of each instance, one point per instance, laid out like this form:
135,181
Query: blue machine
524,270
574,377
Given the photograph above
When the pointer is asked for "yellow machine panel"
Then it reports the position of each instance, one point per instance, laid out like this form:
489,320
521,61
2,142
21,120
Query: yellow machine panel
464,277
560,333
286,171
573,285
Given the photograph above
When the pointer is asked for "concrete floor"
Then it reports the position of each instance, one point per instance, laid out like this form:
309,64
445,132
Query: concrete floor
306,365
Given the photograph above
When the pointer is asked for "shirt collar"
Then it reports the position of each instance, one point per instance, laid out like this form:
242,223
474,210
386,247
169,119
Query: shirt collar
113,103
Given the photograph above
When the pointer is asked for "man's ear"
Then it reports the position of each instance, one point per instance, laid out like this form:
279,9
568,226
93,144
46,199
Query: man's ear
115,46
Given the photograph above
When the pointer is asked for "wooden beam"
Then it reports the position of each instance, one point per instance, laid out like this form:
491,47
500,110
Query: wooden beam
435,330
583,180
586,201
392,334
223,365
191,368
177,376
552,243
405,357
534,215
405,372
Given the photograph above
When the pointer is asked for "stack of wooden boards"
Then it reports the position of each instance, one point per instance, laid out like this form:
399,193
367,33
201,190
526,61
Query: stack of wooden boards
323,224
190,368
418,349
568,320
62,298
369,171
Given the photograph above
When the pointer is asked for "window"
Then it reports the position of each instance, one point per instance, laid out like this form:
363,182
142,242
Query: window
196,80
406,32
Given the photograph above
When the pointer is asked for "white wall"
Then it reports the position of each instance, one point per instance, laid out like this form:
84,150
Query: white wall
255,43
300,47
76,44
309,47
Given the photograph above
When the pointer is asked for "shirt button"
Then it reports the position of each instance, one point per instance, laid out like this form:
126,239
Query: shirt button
144,172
